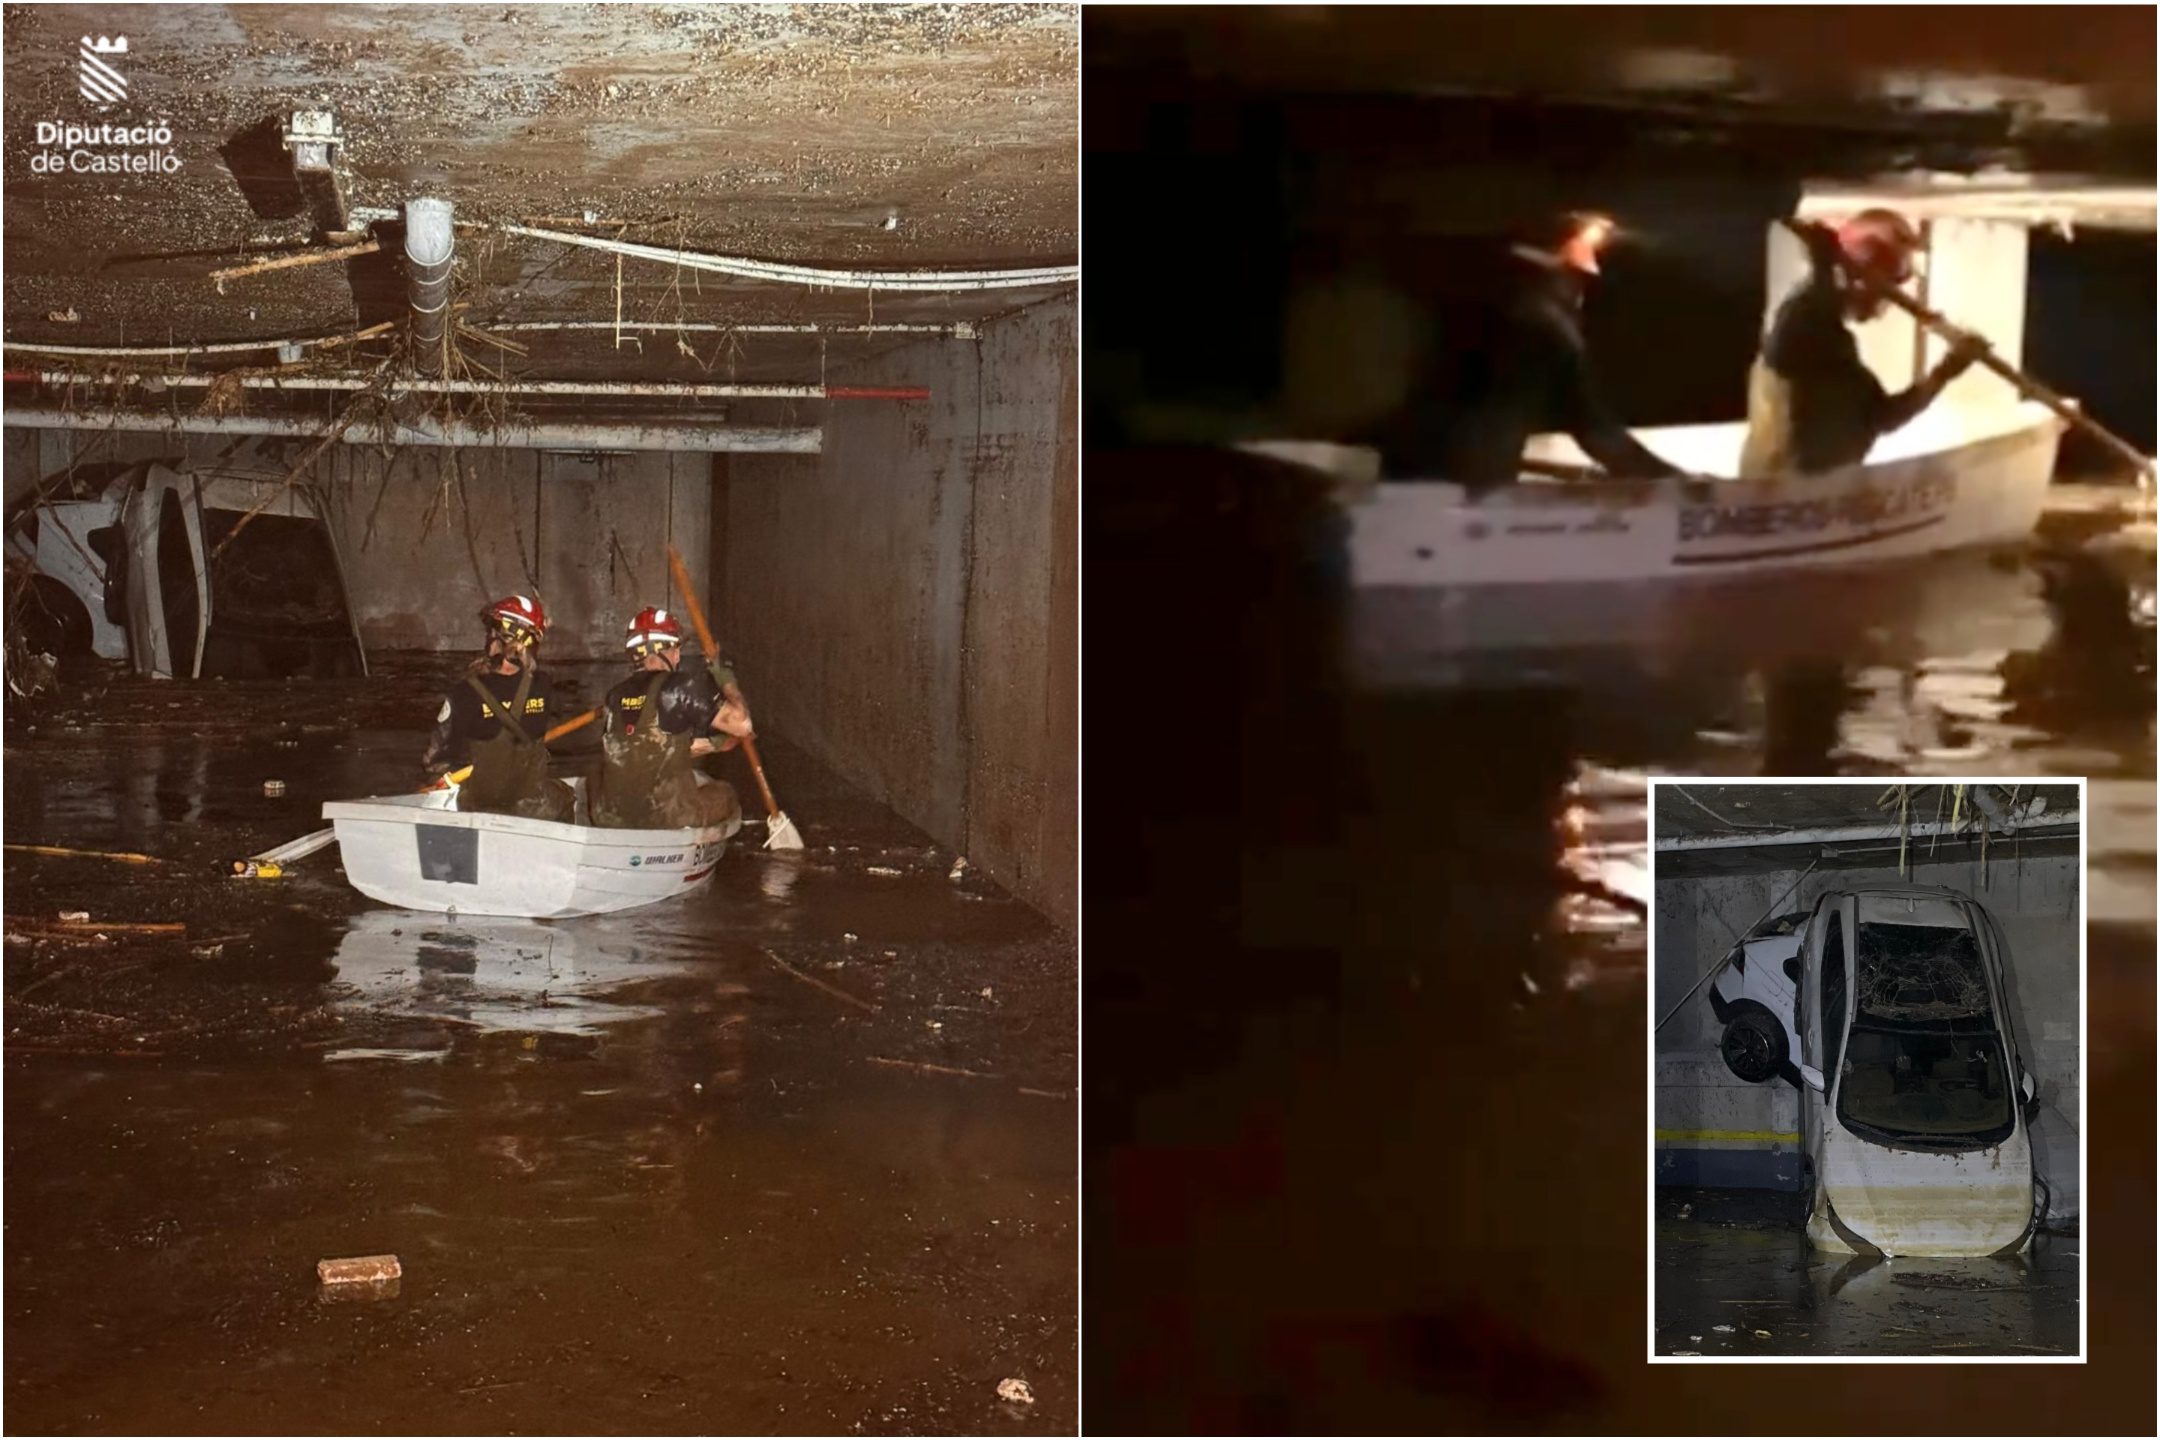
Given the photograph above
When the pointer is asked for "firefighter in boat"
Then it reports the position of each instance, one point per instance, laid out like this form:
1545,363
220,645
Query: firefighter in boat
1501,370
1813,404
496,718
654,724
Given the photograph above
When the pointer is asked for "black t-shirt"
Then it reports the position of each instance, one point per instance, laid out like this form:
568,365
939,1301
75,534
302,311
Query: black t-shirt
463,718
1503,366
688,701
1838,406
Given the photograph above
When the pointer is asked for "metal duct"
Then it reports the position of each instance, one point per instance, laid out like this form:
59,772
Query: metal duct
430,244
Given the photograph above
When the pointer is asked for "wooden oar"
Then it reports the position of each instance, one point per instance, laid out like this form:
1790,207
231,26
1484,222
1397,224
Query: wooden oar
555,732
780,832
2025,385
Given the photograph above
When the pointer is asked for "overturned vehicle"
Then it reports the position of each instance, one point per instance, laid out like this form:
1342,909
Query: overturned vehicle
1888,1007
184,573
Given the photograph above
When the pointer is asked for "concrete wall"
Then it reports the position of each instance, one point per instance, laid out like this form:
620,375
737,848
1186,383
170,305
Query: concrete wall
1715,1129
905,604
430,535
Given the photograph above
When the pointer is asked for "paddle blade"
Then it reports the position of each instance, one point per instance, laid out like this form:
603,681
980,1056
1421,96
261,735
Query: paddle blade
781,834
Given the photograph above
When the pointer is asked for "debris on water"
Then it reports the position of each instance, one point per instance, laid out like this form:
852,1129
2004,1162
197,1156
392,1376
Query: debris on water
257,870
1762,1334
273,788
1722,1329
1016,1391
1686,1211
883,870
75,916
207,952
959,868
359,1270
1529,984
850,936
1694,1339
935,1024
986,992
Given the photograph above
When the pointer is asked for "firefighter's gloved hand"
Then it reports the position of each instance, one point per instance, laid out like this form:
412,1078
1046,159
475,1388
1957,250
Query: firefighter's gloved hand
1963,355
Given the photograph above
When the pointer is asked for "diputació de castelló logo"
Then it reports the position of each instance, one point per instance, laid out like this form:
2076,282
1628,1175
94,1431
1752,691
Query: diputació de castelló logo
104,148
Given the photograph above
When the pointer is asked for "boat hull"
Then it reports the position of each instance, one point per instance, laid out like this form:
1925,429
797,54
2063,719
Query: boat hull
1988,490
1441,581
415,852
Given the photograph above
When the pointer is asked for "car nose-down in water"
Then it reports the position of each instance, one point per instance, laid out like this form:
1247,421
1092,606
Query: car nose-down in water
1888,1007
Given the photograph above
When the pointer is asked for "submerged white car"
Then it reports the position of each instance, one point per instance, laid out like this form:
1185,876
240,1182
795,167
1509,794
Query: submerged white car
156,568
1889,1008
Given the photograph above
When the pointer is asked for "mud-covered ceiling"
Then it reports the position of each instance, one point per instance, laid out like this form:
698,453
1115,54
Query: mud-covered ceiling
866,136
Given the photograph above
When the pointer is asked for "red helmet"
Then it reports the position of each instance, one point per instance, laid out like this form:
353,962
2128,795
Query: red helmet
515,613
1882,243
652,627
1586,235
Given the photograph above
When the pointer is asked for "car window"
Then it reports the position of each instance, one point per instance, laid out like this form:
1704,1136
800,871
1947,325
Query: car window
1924,1059
1833,997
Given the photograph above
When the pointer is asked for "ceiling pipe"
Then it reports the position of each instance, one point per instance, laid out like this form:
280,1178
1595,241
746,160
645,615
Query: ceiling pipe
430,245
643,389
775,272
537,435
957,330
2065,821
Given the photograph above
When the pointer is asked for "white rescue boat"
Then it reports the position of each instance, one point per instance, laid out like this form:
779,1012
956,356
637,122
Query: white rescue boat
416,852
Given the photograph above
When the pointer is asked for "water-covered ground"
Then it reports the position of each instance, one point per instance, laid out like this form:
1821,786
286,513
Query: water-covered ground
1736,1277
1366,997
642,1175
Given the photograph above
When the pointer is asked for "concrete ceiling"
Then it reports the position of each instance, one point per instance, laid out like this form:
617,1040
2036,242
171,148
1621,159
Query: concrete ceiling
1787,828
867,136
1697,811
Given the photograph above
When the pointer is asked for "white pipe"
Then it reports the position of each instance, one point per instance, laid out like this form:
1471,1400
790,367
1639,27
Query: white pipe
549,435
2068,821
430,243
958,330
223,347
665,389
928,280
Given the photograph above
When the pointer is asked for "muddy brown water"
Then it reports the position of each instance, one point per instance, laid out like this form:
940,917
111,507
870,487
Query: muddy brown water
1367,1134
640,1179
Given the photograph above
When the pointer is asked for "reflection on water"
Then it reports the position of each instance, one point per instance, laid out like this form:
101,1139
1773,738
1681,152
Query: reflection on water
2035,665
503,974
1373,957
1736,1278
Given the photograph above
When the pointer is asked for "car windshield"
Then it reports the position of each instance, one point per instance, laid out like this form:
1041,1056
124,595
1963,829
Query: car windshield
1925,1060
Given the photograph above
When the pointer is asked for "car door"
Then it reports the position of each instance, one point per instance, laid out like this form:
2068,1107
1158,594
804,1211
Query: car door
1822,1010
168,597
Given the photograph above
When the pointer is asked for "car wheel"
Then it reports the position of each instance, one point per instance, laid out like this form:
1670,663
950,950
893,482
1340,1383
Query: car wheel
54,621
1754,1045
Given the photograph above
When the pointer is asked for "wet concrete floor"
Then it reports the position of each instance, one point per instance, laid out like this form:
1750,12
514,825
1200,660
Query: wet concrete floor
641,1178
1369,1151
1736,1277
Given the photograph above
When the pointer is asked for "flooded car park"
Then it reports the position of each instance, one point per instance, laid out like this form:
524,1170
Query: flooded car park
795,1153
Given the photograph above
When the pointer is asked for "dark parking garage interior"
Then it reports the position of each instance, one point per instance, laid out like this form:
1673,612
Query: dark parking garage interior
349,321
